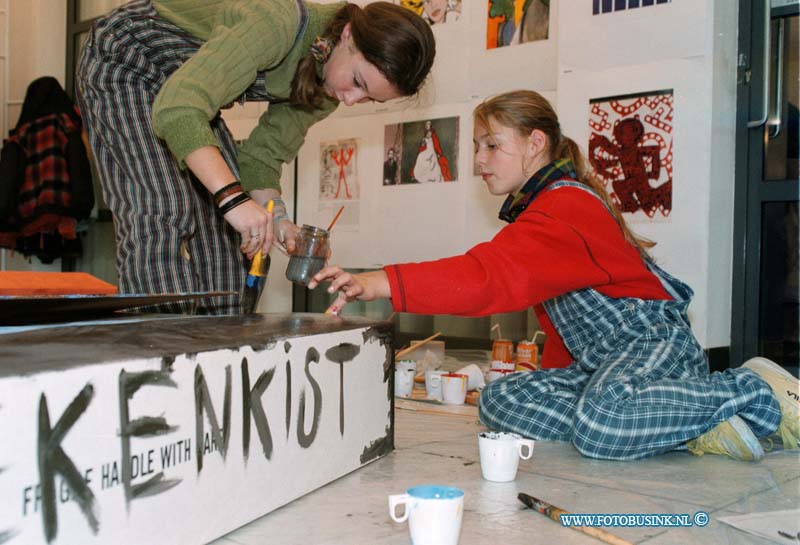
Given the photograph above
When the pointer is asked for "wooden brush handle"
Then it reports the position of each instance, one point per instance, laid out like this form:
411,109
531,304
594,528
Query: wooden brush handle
414,346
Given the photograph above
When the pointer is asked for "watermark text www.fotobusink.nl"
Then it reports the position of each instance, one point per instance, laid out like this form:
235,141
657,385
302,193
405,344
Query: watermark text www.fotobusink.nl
683,520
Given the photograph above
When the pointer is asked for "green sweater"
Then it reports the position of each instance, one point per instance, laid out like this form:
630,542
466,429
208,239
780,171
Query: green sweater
241,37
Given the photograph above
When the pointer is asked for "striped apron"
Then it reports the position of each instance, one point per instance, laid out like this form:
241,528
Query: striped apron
639,384
170,236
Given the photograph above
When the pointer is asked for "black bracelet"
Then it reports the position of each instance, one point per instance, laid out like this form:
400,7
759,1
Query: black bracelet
230,189
233,203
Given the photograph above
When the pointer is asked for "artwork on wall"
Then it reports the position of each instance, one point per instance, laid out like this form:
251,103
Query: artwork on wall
427,151
607,6
338,180
511,22
434,11
630,148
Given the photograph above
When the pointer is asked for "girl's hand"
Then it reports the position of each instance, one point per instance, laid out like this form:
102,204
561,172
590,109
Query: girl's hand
366,286
254,225
287,234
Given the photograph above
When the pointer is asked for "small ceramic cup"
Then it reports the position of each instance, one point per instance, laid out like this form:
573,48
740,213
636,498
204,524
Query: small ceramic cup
454,388
433,383
500,454
434,513
404,371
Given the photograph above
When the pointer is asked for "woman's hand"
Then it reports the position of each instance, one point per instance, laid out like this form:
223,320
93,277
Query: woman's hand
366,286
254,225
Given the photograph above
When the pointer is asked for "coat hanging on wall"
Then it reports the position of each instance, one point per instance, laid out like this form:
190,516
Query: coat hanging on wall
45,176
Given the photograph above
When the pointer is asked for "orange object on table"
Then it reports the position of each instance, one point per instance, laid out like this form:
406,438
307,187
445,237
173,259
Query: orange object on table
26,283
503,350
527,356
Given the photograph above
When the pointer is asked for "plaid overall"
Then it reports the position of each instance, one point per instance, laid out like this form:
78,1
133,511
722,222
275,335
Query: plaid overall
170,236
639,384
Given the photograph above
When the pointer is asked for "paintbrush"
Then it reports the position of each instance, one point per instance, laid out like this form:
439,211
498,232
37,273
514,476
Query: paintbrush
336,217
256,278
555,513
404,351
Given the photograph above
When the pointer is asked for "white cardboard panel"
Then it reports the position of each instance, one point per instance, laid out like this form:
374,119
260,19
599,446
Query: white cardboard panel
323,419
631,37
681,242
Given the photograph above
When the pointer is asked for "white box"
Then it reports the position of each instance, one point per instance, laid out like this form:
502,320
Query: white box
180,430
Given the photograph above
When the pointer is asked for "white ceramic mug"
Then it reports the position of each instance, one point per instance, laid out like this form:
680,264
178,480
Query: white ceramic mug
433,512
433,383
404,371
500,454
454,388
495,374
474,376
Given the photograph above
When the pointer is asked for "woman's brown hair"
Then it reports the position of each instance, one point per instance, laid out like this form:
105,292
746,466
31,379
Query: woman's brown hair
526,111
396,41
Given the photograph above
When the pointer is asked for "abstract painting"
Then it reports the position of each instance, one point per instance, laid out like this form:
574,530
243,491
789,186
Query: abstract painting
630,148
511,22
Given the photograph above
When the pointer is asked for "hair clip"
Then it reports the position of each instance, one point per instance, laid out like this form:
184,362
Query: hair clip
321,49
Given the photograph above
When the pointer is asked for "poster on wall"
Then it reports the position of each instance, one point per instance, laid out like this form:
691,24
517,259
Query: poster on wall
607,6
434,11
511,22
421,152
338,182
630,148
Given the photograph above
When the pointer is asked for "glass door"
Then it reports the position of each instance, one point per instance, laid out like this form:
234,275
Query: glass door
765,291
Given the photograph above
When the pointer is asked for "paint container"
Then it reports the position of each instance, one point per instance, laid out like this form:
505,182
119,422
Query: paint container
503,350
475,378
527,356
454,388
433,383
500,454
310,253
404,371
434,513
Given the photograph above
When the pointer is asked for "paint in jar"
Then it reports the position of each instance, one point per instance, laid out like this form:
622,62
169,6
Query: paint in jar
310,253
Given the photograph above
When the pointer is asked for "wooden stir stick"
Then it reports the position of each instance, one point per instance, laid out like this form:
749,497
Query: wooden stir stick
414,346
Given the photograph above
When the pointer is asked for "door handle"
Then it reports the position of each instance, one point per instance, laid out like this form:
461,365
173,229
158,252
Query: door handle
755,123
774,122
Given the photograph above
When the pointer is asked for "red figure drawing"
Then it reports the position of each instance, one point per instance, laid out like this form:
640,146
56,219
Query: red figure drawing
342,159
630,148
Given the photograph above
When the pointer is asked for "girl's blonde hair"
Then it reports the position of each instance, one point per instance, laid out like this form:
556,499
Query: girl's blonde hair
525,111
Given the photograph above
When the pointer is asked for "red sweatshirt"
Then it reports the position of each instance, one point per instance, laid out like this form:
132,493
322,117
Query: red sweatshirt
564,241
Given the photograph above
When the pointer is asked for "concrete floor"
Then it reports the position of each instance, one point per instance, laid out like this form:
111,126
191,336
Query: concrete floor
443,449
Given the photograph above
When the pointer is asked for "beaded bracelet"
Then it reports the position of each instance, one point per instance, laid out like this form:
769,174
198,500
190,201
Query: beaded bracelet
230,189
234,202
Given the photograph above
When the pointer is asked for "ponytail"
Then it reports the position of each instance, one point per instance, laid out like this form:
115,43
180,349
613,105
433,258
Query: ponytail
567,148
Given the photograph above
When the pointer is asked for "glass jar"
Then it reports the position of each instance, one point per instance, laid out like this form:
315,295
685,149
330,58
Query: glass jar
310,253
